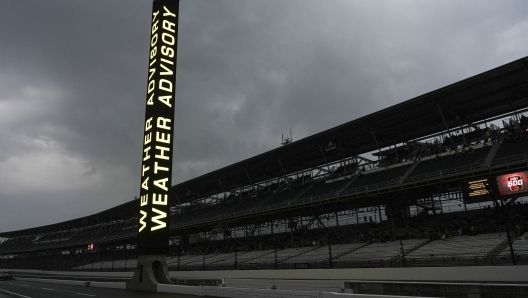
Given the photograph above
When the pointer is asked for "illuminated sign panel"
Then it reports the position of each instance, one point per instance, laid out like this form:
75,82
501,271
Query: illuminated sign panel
156,169
500,186
512,184
477,190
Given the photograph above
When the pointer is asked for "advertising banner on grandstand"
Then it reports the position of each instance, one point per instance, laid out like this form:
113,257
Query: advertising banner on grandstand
478,190
157,137
512,184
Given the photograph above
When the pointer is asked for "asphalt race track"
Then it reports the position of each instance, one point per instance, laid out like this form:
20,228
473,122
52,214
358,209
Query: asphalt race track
28,289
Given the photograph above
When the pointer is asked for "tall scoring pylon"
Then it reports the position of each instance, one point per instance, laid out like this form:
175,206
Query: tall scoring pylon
157,139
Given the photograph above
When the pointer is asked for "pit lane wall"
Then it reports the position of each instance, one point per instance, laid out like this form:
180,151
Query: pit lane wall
484,274
330,280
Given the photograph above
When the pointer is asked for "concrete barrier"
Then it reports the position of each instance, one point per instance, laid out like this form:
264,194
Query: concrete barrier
111,285
317,285
495,274
227,292
55,281
480,274
475,290
267,293
188,290
74,273
343,295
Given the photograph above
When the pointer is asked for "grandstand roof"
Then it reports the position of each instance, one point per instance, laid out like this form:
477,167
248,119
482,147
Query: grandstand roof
123,211
492,93
495,92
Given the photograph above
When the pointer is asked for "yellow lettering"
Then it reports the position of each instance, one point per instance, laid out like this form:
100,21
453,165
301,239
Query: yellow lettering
169,26
147,155
162,152
165,85
148,125
154,27
144,200
159,199
148,138
167,12
144,185
145,168
157,167
163,137
141,221
162,123
156,219
162,183
165,99
168,38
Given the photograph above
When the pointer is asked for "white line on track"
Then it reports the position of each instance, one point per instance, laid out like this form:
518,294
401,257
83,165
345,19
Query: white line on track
15,294
84,294
47,289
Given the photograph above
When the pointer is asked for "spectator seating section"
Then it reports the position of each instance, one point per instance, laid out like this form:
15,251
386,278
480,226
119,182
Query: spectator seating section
321,253
460,247
381,251
520,248
432,166
323,188
281,255
510,148
371,178
285,195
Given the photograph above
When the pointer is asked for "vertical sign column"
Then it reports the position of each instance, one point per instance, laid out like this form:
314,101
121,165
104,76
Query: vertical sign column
156,169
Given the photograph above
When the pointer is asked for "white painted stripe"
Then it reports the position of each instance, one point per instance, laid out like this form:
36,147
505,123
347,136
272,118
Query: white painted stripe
15,294
84,294
47,289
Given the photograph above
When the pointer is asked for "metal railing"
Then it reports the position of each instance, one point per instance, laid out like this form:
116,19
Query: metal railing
446,173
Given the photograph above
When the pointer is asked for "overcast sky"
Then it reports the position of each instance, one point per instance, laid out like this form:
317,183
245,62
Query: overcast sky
73,78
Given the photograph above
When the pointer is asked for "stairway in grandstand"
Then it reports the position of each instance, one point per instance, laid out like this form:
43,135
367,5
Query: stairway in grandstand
284,195
497,252
352,179
494,149
409,171
379,251
511,150
377,179
321,254
303,192
520,250
450,163
308,251
283,254
459,250
324,188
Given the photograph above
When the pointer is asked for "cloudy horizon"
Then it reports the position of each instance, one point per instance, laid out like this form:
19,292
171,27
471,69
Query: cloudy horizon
73,78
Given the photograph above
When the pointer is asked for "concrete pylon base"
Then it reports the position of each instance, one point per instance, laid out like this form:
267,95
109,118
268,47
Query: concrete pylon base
151,270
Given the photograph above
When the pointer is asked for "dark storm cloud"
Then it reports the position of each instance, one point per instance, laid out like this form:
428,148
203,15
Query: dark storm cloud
73,82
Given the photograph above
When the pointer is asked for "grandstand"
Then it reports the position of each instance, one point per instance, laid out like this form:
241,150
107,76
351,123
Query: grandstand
379,191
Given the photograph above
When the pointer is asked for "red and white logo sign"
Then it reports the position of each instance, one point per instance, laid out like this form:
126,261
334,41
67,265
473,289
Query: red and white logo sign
515,183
